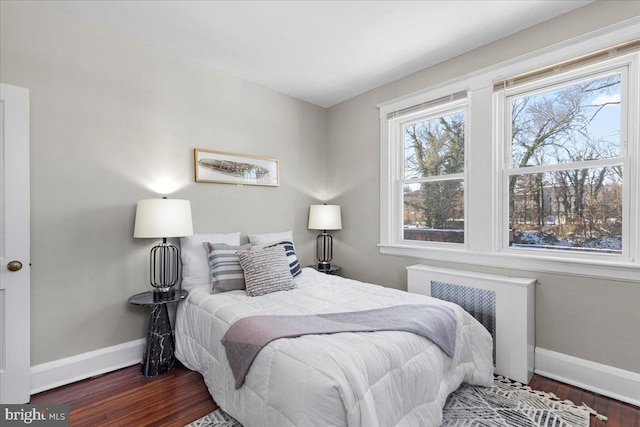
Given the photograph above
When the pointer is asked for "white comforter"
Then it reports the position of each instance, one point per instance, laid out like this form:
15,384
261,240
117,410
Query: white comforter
346,379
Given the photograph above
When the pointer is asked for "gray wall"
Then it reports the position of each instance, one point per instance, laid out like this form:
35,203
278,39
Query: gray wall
110,118
597,320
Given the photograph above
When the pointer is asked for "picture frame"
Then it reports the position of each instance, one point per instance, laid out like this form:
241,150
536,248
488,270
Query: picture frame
232,168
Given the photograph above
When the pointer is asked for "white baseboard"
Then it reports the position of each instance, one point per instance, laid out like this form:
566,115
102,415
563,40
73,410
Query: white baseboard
86,365
606,380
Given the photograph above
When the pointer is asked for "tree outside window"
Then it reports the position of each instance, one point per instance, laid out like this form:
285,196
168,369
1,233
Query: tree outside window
433,184
566,176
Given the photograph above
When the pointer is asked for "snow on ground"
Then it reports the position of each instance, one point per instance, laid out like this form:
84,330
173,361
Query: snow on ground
541,239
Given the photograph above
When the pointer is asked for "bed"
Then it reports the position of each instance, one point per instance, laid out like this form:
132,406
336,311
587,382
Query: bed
388,378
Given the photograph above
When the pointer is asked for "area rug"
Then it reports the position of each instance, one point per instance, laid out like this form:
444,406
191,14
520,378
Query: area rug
507,404
217,418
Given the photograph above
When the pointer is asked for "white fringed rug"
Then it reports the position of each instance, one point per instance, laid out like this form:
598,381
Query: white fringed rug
507,404
512,404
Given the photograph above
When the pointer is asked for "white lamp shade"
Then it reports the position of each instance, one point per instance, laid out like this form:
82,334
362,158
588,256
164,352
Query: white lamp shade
325,217
159,218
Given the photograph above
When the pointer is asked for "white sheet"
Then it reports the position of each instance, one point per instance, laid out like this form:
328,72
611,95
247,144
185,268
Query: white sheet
346,379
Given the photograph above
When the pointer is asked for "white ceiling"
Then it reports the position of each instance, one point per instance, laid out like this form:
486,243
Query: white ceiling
323,52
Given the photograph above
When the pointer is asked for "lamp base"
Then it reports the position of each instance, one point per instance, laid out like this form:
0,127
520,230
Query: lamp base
163,269
324,250
161,295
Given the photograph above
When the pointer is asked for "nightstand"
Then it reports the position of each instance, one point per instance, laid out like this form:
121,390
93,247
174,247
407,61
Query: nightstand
159,355
333,269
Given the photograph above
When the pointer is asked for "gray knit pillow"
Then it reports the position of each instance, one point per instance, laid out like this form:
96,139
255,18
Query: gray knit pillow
266,270
226,273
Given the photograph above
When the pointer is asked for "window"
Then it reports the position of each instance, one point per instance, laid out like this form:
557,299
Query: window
539,171
564,175
433,181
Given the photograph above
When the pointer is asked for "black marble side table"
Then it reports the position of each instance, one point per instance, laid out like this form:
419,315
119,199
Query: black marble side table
159,355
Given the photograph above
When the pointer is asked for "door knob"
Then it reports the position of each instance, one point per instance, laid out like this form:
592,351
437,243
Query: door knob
14,265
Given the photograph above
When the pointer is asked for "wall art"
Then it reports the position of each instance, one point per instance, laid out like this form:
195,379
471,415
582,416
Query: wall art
233,168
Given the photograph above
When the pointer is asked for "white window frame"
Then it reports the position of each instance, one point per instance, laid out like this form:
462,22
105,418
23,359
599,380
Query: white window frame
396,139
484,184
625,66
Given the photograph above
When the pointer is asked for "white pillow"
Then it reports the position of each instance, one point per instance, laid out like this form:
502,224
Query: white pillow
195,263
270,237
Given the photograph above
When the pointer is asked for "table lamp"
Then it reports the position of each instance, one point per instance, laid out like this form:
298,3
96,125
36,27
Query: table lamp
324,217
163,218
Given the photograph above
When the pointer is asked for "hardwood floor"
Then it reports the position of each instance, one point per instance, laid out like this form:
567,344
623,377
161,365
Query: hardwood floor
125,398
618,413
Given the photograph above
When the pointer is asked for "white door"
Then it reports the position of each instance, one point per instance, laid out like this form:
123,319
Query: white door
14,245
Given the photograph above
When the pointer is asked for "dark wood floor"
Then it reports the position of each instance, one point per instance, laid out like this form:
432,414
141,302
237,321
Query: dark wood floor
125,398
619,414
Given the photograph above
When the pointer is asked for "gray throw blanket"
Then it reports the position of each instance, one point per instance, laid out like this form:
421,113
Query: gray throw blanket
246,337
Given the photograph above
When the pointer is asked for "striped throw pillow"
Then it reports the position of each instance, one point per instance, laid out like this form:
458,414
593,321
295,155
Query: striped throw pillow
226,272
266,270
290,250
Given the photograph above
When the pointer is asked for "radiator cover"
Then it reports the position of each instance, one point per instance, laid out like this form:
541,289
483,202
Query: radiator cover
480,303
504,305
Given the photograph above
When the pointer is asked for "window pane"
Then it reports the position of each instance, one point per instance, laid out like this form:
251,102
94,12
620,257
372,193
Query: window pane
434,211
575,209
434,147
576,122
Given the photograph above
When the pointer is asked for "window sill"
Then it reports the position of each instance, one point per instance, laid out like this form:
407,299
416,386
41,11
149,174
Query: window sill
602,269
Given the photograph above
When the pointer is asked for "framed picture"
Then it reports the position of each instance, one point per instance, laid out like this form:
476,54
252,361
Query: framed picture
232,168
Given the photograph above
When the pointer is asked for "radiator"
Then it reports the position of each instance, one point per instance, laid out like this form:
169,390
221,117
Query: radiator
504,305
